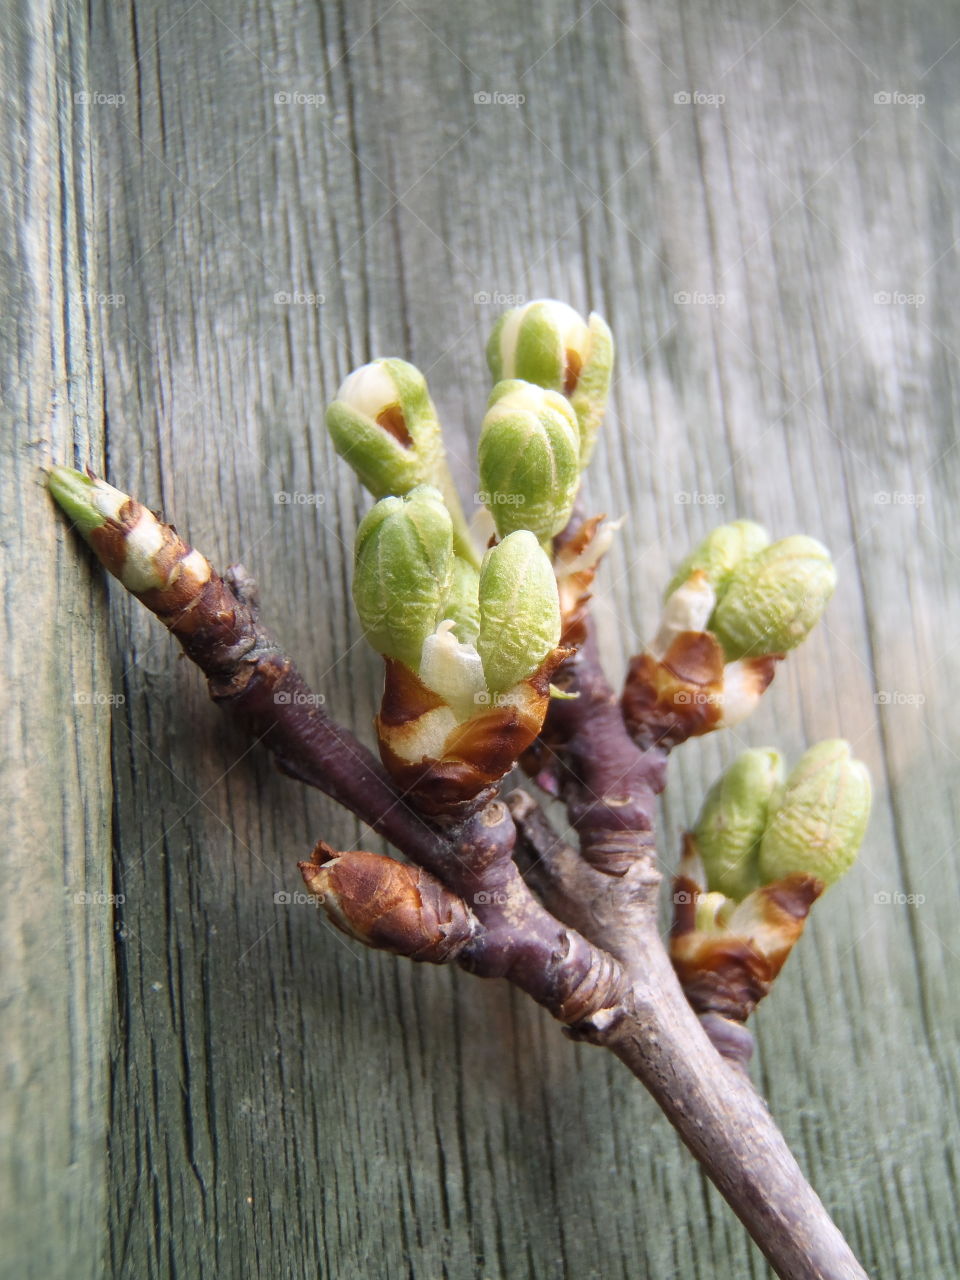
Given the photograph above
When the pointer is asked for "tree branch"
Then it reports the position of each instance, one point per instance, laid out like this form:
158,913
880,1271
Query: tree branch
564,952
612,983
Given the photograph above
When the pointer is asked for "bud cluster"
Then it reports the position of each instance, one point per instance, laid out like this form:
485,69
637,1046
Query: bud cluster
735,606
768,596
764,847
470,642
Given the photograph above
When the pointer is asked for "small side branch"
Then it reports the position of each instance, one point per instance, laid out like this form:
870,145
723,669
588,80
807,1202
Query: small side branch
592,955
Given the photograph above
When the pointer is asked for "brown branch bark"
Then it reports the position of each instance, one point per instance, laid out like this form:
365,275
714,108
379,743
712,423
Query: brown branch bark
610,980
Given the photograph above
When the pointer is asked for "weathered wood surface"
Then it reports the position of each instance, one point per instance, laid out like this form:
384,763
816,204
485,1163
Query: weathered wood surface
205,1080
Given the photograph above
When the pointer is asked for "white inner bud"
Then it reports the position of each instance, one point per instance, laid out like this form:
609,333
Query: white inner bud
741,693
427,736
196,566
574,330
369,390
688,609
597,547
748,921
142,543
454,671
107,500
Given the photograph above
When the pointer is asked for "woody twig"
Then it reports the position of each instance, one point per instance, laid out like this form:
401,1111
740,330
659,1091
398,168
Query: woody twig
491,659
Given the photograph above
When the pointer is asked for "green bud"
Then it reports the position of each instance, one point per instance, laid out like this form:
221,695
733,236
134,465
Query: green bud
773,599
529,459
519,610
820,821
88,503
548,343
403,567
462,605
136,547
733,818
589,399
719,554
384,425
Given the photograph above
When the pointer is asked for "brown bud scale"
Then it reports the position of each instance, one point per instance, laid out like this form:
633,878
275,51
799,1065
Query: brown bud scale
575,587
389,905
666,702
727,973
476,753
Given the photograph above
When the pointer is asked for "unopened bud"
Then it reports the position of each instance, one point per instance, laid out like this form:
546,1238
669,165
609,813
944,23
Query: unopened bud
402,572
147,555
462,605
384,425
528,459
819,823
773,599
733,819
548,343
719,554
389,905
519,610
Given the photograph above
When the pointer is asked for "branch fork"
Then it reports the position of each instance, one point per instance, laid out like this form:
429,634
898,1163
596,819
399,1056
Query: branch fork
488,884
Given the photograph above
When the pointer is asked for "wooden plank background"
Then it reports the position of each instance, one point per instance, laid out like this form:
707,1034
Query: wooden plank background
214,211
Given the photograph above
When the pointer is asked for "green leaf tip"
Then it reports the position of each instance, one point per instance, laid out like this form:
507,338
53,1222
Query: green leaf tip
80,497
732,821
820,818
519,610
403,571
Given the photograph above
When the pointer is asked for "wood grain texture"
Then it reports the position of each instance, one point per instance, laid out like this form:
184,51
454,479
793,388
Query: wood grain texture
56,951
280,1102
